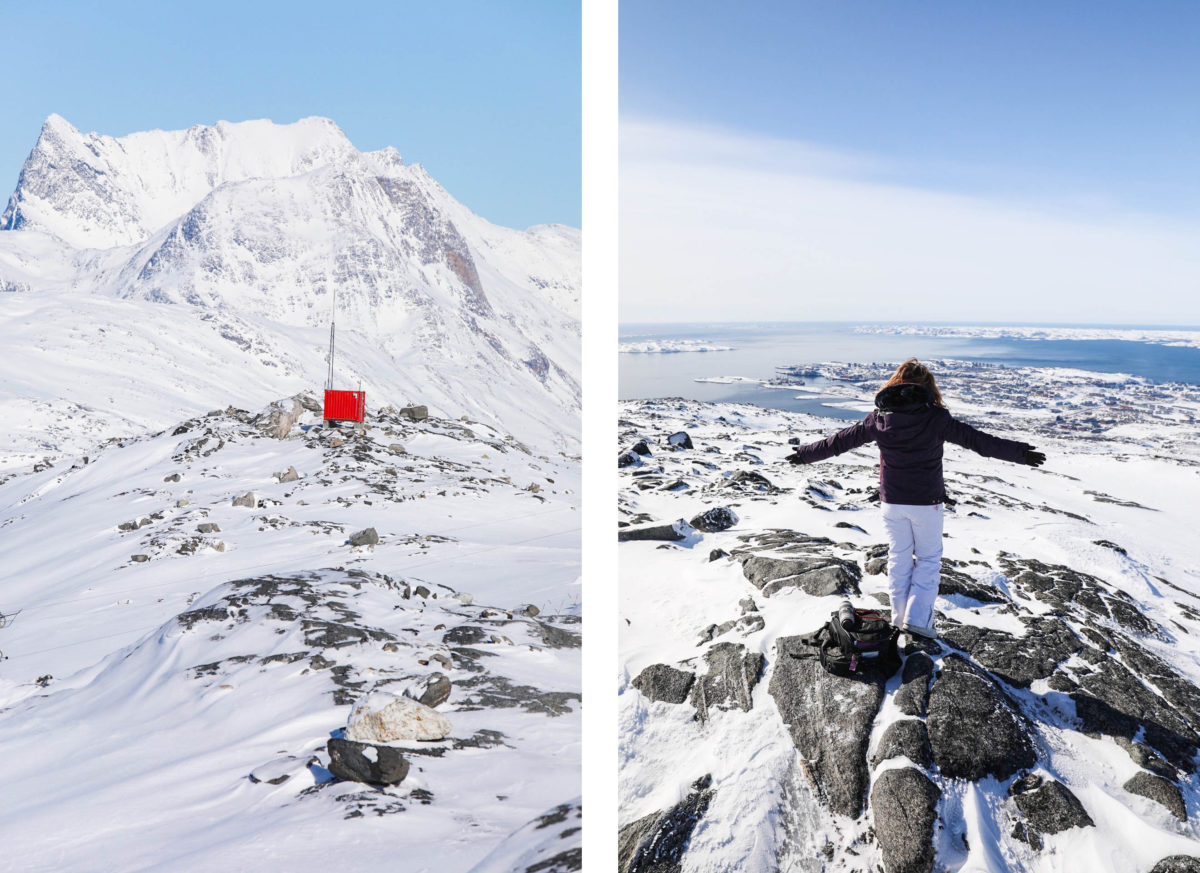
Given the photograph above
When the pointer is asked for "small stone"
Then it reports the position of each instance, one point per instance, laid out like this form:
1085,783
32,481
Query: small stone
248,500
288,475
715,554
174,477
397,449
436,691
415,413
208,527
139,559
182,502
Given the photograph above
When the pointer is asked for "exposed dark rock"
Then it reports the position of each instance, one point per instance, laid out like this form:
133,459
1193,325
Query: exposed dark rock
905,805
850,526
656,843
818,576
641,448
1113,701
956,582
680,440
912,698
436,691
907,737
628,459
732,674
812,701
1159,790
751,480
717,553
661,682
875,566
1146,758
674,532
557,638
1178,864
973,728
208,527
414,413
1017,660
1049,809
714,520
356,762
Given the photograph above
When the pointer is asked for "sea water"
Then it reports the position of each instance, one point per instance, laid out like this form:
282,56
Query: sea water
759,348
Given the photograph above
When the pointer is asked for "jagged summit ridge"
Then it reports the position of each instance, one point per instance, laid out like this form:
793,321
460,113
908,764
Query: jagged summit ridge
95,191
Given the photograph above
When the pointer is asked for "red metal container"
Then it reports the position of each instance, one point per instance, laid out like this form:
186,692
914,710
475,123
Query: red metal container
345,405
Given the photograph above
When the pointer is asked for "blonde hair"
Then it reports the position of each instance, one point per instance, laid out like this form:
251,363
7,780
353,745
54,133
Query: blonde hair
914,372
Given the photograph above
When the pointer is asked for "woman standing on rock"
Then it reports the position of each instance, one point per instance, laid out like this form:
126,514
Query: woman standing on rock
910,423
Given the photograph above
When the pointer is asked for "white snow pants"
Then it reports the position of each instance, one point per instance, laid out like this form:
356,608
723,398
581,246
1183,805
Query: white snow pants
913,532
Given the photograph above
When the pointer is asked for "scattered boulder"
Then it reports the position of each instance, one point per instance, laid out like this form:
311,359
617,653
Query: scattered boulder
750,479
397,449
715,554
973,728
1178,864
139,559
1160,791
672,533
336,442
912,697
366,762
829,719
905,805
1048,809
714,520
248,500
875,566
527,609
641,448
288,475
679,440
907,737
208,527
732,674
385,718
655,843
818,576
366,537
665,683
628,459
414,413
282,418
174,477
436,690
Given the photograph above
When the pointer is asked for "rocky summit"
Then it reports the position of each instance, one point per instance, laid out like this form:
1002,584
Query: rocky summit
176,648
1055,723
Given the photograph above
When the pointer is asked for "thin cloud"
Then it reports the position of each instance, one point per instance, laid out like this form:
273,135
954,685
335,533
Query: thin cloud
719,225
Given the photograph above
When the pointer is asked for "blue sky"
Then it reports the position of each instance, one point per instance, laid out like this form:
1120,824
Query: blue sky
485,95
1069,130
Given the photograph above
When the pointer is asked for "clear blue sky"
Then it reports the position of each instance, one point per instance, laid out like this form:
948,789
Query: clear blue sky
1010,161
1099,97
485,95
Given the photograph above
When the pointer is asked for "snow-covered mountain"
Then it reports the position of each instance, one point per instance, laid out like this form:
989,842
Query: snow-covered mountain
1055,726
225,246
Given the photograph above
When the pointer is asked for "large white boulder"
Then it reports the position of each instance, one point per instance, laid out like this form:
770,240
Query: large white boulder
385,718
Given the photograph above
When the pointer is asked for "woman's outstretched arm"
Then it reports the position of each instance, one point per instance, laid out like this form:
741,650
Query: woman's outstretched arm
962,434
842,441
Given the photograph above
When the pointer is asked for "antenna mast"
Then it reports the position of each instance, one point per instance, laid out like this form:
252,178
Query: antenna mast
332,328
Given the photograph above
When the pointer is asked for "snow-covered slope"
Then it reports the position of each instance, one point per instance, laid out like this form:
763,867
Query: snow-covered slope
236,238
177,664
1055,728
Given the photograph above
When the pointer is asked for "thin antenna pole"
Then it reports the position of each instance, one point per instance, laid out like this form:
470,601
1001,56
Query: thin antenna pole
332,328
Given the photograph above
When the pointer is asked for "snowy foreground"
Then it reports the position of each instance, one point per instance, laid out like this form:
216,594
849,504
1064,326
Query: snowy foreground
176,664
1055,728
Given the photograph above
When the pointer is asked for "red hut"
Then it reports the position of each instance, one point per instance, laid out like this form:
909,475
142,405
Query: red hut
341,405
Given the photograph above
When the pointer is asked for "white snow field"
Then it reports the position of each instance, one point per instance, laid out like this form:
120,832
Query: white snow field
175,664
1070,592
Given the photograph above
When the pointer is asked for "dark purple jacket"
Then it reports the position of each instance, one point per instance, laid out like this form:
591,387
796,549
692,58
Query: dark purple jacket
910,431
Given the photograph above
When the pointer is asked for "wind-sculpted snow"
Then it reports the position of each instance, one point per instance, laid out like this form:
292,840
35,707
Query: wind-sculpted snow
1054,726
228,244
179,664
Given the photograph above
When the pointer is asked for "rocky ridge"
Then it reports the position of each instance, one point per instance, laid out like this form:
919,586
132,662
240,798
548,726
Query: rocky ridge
1064,687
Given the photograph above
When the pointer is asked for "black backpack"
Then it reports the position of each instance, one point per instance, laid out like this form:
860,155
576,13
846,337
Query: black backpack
869,646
